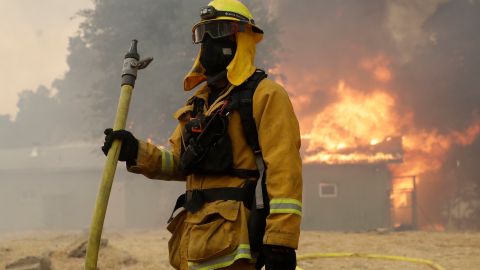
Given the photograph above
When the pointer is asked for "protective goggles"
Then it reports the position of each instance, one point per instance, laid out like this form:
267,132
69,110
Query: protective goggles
216,29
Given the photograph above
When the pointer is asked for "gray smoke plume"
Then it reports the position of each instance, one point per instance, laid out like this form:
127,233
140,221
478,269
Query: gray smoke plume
86,97
432,46
50,155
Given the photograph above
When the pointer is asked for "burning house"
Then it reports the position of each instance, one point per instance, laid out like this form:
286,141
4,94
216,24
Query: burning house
353,143
358,73
350,189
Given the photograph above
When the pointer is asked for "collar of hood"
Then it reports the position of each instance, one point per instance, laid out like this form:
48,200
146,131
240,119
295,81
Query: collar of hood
239,70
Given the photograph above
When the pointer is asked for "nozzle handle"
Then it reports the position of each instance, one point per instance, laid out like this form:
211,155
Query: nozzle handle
132,63
133,52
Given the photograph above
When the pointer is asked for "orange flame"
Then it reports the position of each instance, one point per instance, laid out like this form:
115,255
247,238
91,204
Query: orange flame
426,150
356,119
340,132
378,66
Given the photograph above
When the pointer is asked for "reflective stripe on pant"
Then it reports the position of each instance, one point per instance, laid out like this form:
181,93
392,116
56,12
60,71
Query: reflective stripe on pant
241,253
240,265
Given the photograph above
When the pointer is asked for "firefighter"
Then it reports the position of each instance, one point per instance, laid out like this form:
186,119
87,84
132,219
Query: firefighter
237,148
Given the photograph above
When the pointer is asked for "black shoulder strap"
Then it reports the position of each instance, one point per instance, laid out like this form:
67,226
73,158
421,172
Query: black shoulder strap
198,104
260,202
245,108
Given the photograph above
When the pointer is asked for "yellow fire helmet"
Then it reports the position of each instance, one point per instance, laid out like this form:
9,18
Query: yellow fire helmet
247,34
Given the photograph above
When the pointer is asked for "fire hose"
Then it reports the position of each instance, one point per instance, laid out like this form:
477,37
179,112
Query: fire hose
131,65
310,256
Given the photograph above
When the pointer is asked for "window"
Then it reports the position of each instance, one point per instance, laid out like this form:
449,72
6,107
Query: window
327,190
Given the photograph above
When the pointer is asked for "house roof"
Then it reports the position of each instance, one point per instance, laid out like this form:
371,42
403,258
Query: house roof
390,150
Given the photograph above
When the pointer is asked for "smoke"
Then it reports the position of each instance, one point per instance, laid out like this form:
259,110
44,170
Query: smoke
82,103
425,54
431,47
405,20
440,82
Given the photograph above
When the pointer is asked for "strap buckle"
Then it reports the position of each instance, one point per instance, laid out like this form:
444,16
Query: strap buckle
223,110
194,200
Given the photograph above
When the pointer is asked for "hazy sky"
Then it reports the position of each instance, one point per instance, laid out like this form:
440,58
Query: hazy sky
34,44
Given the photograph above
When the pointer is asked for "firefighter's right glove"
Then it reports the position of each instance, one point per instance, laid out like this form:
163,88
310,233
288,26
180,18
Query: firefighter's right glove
129,149
279,258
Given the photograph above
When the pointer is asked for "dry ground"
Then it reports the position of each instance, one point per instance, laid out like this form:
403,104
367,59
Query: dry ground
147,250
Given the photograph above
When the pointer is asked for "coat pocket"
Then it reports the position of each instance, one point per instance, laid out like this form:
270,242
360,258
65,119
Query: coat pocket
214,231
176,227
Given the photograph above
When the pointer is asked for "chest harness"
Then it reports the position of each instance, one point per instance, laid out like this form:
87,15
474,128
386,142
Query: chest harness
207,149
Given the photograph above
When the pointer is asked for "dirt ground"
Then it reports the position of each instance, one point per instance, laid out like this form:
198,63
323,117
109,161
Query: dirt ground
147,250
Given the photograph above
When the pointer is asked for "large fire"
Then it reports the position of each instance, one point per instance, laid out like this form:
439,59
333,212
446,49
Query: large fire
425,150
355,121
348,129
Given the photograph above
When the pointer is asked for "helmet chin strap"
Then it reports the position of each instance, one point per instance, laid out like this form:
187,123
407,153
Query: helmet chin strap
218,80
217,84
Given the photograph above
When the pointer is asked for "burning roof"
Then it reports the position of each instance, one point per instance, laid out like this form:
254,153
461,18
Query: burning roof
387,151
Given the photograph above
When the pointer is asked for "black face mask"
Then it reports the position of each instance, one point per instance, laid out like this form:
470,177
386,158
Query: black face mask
217,54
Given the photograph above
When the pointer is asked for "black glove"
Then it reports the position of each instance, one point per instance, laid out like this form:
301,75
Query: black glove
279,258
129,150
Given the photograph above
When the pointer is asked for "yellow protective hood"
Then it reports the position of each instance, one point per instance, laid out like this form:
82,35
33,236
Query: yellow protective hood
239,70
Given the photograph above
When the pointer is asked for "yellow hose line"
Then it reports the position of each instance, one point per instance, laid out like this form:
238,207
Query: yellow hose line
103,195
368,256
